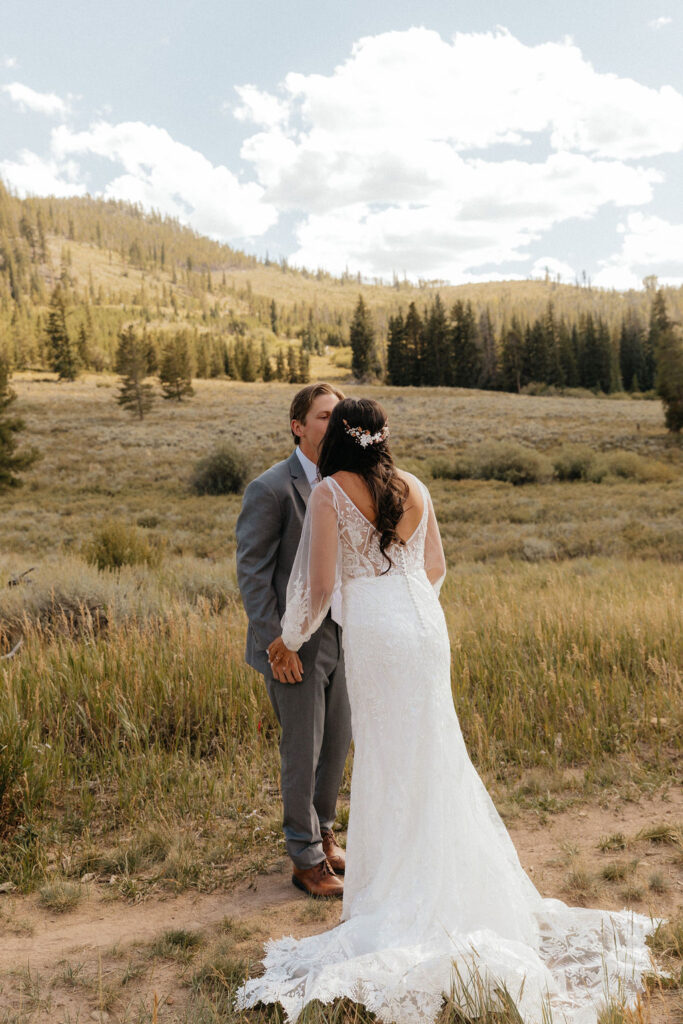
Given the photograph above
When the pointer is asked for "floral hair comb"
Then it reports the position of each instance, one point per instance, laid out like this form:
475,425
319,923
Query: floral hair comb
364,437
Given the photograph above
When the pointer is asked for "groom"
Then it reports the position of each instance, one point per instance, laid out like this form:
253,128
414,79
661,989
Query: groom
308,689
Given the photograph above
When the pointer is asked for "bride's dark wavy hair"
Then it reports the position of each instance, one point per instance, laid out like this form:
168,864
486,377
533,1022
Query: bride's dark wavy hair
339,451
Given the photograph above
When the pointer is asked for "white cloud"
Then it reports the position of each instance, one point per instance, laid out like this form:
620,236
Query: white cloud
476,91
33,175
171,177
650,240
39,102
386,157
10,62
660,22
487,215
650,245
259,107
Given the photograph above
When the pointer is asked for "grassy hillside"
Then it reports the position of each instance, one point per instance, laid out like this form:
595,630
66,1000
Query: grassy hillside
118,265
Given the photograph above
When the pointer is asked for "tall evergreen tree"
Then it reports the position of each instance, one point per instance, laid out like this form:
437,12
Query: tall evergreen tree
265,368
512,356
82,346
603,359
589,362
658,328
273,318
631,352
489,378
62,356
567,346
12,462
362,338
132,363
175,375
466,354
280,365
304,368
437,368
398,372
669,355
292,365
414,343
536,353
554,373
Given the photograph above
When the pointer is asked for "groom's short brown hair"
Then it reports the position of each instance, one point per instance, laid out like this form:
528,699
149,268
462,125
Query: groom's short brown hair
304,399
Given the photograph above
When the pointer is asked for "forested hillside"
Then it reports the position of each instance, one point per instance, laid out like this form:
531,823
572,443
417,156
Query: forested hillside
95,267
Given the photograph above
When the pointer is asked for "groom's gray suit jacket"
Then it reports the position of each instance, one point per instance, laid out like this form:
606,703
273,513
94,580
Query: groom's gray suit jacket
268,533
314,714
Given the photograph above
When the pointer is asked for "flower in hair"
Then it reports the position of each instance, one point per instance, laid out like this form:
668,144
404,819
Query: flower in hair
364,437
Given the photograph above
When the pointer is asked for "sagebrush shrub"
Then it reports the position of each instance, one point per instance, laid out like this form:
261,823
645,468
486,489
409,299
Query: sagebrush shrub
116,544
578,462
223,471
496,460
631,466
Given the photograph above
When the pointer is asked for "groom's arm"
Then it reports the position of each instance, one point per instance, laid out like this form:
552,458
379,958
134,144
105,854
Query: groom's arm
258,533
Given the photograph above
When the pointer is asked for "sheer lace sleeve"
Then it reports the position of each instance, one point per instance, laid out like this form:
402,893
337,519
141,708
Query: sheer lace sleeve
315,572
435,560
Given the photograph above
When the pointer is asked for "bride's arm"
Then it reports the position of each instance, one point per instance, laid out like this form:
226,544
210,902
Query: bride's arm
315,569
435,560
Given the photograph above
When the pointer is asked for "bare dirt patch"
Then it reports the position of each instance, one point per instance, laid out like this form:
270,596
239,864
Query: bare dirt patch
102,961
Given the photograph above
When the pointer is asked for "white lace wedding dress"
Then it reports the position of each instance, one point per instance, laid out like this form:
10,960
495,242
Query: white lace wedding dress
434,895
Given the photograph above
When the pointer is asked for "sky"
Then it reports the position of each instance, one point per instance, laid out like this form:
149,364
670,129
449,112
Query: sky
494,140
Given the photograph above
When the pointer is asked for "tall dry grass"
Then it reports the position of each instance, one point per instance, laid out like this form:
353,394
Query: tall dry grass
150,715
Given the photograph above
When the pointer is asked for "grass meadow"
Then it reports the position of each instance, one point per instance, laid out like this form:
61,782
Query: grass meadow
138,751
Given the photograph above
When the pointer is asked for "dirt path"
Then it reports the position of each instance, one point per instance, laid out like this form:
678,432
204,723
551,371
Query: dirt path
94,943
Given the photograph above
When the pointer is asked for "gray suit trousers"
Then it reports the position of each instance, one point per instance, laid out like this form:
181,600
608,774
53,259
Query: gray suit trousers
315,721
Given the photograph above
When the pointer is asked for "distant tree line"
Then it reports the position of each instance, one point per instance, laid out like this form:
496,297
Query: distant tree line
459,348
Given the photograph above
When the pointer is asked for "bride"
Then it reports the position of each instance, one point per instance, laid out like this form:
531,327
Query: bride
436,901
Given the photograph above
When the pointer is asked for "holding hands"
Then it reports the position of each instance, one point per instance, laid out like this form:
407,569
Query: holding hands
285,664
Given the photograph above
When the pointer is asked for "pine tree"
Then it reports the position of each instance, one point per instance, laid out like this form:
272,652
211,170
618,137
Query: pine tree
669,355
132,363
397,362
414,335
437,366
61,350
631,352
466,355
11,461
490,374
362,338
659,326
603,357
536,354
512,356
280,365
265,367
304,369
589,361
567,344
292,365
554,374
174,372
82,346
273,318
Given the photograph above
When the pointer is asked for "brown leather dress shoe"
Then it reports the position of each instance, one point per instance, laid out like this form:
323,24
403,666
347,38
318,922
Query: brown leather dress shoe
333,851
319,881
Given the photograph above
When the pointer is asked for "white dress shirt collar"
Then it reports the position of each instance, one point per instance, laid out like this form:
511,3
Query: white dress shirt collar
310,468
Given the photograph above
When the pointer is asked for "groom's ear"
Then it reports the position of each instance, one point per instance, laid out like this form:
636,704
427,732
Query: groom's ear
297,428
